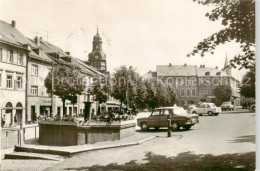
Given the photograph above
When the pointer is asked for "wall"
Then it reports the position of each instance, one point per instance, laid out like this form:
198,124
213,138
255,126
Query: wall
12,95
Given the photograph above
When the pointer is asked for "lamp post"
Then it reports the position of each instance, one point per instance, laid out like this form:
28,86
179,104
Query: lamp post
127,88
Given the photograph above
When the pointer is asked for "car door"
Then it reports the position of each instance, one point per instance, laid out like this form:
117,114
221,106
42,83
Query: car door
154,119
164,118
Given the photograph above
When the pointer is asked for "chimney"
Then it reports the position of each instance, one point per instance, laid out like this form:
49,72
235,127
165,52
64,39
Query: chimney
200,66
13,24
216,67
185,64
203,66
41,39
37,40
170,64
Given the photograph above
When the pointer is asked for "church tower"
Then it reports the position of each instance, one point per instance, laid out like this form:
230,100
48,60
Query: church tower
227,68
97,58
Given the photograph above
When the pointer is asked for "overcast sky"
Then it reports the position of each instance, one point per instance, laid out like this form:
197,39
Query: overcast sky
142,34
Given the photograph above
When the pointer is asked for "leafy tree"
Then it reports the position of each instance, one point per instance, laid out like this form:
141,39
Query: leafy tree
123,76
238,17
222,93
151,97
99,91
67,82
248,85
141,93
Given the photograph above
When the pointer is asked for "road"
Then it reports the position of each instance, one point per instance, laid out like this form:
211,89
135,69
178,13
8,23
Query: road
220,136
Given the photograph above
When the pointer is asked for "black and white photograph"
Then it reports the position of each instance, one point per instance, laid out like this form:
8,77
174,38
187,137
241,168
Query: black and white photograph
128,85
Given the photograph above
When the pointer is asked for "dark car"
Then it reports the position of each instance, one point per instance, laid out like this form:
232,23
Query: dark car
159,118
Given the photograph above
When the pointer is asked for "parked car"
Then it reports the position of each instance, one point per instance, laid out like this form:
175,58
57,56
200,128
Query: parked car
206,108
159,118
227,106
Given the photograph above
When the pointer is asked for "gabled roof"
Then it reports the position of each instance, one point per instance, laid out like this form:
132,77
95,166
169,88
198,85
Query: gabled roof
43,57
176,70
11,35
50,48
213,72
88,68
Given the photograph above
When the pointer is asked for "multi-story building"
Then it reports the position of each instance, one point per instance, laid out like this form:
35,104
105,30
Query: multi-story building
194,84
14,48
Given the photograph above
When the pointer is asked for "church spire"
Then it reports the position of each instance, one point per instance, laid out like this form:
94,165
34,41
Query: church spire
226,62
97,29
227,68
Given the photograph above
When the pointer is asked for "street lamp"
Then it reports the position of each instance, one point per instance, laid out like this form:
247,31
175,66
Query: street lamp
127,88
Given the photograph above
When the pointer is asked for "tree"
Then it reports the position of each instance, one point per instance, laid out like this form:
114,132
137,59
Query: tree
247,88
68,82
141,93
123,76
238,17
222,93
99,91
151,97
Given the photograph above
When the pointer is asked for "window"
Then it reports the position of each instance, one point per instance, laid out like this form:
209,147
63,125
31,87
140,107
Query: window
34,70
96,56
97,46
10,56
9,81
188,92
193,92
207,73
182,92
20,59
19,82
34,90
1,54
0,79
207,91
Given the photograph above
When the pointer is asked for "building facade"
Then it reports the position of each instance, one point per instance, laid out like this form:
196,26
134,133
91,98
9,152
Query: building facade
194,84
14,49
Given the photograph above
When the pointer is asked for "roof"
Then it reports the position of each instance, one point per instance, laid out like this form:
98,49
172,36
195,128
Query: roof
11,35
43,57
88,68
50,48
213,72
176,70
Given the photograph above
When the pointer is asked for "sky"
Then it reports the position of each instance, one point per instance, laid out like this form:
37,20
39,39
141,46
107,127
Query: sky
142,33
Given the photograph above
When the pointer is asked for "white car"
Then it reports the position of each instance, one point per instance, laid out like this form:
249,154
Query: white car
206,108
227,106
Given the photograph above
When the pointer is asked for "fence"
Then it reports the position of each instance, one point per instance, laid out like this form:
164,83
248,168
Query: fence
11,136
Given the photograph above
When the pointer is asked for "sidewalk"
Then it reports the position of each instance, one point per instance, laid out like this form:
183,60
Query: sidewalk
35,147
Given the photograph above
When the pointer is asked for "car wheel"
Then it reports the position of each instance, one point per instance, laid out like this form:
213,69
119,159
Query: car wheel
144,126
210,113
187,127
157,128
216,114
175,126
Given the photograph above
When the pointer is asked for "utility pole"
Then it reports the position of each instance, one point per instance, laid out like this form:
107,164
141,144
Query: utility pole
127,88
52,87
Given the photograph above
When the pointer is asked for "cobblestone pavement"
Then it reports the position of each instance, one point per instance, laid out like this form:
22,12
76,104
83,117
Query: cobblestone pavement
228,133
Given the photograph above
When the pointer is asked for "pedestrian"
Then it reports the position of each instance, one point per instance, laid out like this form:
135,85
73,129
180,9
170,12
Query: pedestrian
3,121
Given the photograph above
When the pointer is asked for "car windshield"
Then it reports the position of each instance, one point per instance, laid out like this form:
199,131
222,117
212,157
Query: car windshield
180,111
226,102
213,105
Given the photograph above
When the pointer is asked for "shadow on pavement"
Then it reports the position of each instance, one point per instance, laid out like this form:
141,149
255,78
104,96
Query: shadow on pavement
243,139
184,161
161,130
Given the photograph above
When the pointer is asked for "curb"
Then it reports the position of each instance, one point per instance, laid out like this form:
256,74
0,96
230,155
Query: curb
70,153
